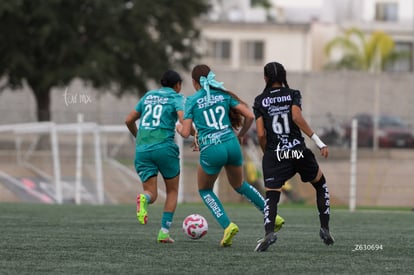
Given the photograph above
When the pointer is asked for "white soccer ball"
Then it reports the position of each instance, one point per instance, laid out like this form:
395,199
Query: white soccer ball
195,226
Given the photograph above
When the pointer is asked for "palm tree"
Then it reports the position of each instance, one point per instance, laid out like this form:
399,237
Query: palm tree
371,54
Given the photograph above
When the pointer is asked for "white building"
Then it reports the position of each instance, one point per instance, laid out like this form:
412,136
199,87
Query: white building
241,37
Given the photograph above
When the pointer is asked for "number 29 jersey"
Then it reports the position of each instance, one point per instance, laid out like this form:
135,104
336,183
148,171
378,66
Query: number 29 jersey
274,105
158,109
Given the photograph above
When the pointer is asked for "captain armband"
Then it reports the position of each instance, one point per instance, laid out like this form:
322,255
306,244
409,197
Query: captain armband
318,141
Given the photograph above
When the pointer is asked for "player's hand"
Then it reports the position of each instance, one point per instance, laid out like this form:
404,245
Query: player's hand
195,145
324,151
178,127
241,139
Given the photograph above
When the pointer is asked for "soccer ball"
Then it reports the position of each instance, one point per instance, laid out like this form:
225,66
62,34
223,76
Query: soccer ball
195,226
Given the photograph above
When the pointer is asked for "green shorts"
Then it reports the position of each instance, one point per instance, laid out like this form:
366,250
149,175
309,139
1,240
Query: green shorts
214,157
166,160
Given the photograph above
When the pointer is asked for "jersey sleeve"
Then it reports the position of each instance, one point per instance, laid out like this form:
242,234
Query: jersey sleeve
179,103
139,106
233,102
188,108
256,109
297,98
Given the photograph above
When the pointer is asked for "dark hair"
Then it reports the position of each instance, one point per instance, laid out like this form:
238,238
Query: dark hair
275,73
170,78
236,119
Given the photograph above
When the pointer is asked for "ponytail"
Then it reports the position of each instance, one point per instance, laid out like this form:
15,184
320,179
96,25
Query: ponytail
199,71
275,73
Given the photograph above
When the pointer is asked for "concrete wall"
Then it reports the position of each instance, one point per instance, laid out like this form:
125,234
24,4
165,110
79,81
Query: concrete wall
343,94
384,179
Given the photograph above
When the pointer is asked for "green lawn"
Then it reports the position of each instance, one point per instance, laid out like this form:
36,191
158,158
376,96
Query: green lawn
68,239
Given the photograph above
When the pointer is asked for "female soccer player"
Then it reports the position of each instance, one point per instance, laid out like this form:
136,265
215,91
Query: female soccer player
158,111
216,112
279,123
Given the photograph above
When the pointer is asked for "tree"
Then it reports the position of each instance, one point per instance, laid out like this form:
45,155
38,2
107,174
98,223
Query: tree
114,44
360,53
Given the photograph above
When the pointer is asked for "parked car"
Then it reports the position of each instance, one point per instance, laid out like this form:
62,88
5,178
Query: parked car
392,131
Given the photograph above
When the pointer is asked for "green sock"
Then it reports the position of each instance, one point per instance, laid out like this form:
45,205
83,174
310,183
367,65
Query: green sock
166,221
216,208
251,193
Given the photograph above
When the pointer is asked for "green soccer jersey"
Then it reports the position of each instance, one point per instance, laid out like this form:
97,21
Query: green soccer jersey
158,109
211,117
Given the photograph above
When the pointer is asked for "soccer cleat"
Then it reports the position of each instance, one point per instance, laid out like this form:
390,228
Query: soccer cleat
326,236
164,238
229,233
263,244
279,222
142,204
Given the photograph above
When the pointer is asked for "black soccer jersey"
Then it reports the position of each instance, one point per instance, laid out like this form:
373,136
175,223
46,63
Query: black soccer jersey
275,106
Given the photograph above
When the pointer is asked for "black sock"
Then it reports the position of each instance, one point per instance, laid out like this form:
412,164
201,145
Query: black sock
270,210
322,201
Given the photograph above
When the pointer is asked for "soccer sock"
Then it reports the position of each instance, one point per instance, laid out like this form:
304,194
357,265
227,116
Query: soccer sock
148,197
166,221
251,194
322,201
216,208
270,210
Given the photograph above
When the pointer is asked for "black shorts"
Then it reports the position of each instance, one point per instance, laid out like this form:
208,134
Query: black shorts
278,167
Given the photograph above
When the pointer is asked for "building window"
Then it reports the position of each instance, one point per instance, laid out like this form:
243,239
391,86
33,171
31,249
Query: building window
404,63
386,11
219,51
252,53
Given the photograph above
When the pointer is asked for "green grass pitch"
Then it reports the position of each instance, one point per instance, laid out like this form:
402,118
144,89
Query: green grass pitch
69,239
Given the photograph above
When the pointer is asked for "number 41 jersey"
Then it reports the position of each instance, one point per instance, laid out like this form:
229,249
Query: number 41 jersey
274,105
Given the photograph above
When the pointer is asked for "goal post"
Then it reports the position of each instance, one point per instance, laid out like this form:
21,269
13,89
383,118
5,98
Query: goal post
353,162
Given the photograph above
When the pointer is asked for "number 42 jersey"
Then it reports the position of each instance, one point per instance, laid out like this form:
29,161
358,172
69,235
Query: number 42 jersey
274,105
211,116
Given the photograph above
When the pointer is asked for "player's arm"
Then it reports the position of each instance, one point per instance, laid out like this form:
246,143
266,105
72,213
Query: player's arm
248,120
261,133
185,128
180,115
130,120
304,127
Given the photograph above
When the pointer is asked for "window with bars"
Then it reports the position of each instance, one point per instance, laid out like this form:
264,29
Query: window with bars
252,52
405,62
219,50
386,11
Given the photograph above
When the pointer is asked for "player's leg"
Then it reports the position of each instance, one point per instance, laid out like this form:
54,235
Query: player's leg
168,163
270,214
147,197
170,205
147,171
213,203
273,185
235,177
323,204
310,172
234,172
212,160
